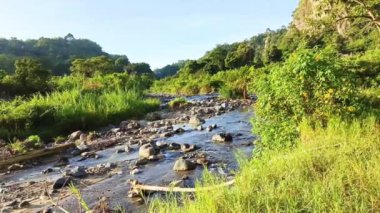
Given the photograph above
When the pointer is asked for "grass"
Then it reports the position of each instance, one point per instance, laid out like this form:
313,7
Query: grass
333,169
177,102
60,112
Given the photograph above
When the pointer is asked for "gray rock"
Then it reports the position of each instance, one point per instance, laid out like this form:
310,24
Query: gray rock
48,170
78,172
174,146
196,120
187,148
62,182
120,151
183,165
146,150
222,137
75,135
110,165
166,134
179,130
200,128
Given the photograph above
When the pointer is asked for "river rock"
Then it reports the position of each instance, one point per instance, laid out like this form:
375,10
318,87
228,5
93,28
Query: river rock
118,151
222,137
146,150
75,135
196,120
153,116
200,128
62,161
183,165
78,172
179,131
128,149
62,182
166,134
129,125
187,148
48,170
174,146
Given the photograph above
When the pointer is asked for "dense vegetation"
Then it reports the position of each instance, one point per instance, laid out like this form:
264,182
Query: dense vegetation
101,88
317,114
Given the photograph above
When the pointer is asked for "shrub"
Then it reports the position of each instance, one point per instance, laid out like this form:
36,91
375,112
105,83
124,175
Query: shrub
311,83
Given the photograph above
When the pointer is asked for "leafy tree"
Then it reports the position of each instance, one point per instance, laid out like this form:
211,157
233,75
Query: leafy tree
242,56
121,63
139,68
98,65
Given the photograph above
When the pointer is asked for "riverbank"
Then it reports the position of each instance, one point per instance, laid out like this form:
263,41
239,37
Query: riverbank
334,168
111,157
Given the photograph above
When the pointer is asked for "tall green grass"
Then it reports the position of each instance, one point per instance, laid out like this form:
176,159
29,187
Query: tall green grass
333,169
60,112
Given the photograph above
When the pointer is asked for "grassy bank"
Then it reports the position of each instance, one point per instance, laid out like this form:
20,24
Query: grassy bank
70,109
333,169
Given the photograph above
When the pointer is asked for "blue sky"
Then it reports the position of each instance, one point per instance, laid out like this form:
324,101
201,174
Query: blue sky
158,32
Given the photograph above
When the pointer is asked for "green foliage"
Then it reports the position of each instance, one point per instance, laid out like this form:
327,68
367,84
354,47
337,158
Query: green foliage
139,68
77,104
334,169
311,83
29,77
90,67
78,195
177,102
55,54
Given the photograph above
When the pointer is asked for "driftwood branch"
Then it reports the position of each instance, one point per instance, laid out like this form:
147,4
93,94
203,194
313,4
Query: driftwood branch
137,186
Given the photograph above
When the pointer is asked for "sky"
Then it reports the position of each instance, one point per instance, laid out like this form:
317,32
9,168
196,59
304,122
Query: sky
158,32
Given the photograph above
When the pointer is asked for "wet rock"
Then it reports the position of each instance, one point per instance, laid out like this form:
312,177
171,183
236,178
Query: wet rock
156,157
128,149
200,128
209,128
183,165
86,155
62,182
46,171
174,146
196,120
161,144
146,150
78,172
222,138
62,161
135,171
23,204
141,162
120,151
153,116
110,165
187,148
75,135
166,134
202,161
179,131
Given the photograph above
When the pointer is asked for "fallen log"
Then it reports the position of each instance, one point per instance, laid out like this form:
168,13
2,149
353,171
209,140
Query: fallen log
35,154
141,187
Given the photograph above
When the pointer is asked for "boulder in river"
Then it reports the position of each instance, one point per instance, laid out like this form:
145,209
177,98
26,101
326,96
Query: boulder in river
222,137
153,116
62,182
196,120
147,150
183,165
187,148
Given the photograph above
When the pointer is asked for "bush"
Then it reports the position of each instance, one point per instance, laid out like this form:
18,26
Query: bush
311,83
